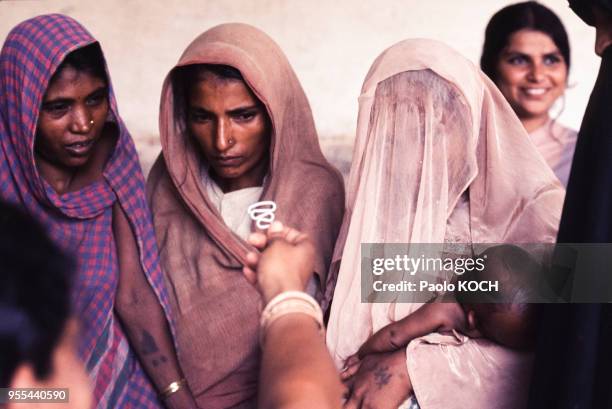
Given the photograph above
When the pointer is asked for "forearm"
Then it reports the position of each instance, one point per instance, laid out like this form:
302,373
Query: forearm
149,333
143,317
295,371
399,334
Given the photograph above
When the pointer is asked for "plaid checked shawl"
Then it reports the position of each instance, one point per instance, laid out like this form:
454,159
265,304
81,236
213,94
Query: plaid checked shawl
81,221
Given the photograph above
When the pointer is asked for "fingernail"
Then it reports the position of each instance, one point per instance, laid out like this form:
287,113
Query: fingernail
276,227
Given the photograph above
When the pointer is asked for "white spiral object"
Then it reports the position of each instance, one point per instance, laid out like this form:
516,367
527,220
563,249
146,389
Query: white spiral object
262,213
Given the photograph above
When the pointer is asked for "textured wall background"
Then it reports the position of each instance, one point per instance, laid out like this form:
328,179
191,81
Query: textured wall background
330,44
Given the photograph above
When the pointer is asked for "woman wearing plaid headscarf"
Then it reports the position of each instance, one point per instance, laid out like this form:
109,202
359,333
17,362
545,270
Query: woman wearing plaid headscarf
67,159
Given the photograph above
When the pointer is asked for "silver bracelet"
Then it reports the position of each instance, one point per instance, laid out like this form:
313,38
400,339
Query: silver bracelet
289,302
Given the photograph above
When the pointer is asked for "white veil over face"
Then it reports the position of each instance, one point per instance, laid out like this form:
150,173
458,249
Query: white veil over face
416,118
431,126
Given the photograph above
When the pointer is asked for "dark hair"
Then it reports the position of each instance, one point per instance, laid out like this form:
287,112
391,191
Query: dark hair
584,9
513,267
88,59
183,77
192,72
516,272
529,15
34,295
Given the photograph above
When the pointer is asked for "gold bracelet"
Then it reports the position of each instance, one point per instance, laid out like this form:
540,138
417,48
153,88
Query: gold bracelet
172,388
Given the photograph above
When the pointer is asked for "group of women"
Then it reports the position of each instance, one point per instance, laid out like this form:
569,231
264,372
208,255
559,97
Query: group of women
440,156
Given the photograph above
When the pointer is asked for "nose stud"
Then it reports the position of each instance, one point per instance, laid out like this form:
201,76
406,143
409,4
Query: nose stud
231,141
91,122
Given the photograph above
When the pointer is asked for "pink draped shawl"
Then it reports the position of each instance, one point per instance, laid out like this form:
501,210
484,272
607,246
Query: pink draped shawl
413,158
556,143
217,310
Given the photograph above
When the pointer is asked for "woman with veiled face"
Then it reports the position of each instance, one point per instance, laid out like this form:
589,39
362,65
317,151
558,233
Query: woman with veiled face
236,129
526,53
68,161
439,158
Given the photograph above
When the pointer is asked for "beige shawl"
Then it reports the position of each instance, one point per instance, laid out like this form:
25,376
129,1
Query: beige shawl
431,126
216,309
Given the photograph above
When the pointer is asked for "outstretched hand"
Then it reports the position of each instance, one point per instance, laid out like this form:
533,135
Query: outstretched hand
286,261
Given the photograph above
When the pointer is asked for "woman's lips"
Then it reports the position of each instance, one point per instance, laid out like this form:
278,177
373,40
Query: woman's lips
229,161
535,92
80,148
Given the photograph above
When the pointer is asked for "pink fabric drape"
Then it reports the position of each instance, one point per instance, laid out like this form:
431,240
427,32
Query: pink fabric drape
217,310
432,127
556,143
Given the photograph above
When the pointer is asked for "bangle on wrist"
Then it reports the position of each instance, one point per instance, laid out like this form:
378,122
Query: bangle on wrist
172,388
290,302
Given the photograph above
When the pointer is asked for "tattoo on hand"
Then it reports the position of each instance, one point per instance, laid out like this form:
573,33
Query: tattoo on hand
381,376
148,343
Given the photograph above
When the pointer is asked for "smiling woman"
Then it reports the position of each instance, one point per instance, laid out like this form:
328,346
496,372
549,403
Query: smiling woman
526,53
532,74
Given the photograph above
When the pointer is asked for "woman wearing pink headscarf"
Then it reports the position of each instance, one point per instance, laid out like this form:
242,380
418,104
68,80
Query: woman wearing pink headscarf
439,158
236,129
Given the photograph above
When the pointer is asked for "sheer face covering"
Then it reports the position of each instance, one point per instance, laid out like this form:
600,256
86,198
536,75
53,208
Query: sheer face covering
431,128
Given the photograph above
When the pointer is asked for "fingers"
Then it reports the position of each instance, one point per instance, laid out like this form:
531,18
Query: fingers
258,240
353,402
252,259
250,275
351,360
350,370
276,227
277,230
292,236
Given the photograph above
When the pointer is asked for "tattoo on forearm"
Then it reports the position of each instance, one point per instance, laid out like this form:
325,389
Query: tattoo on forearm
149,347
148,343
381,376
162,360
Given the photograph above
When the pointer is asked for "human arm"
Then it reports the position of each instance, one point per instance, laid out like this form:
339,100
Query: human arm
381,382
143,317
431,317
296,369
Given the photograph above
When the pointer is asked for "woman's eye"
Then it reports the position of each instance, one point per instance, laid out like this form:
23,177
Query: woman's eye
95,100
552,59
246,116
517,60
200,117
56,107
